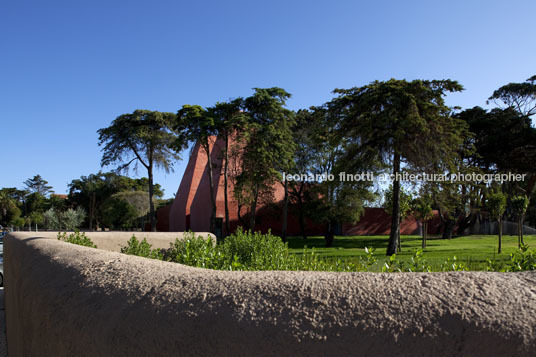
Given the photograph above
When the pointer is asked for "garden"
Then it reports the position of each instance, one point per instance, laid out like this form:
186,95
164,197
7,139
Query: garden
246,250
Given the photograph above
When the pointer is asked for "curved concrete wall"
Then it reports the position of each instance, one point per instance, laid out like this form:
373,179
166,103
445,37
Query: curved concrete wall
114,241
67,300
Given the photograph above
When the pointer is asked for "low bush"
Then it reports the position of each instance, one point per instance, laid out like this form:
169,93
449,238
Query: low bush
522,259
77,237
195,251
245,250
142,249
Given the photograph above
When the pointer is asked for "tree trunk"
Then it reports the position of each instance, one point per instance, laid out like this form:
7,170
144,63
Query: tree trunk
240,219
225,179
465,223
395,219
450,224
151,192
301,215
519,230
528,192
253,209
399,246
92,200
211,184
500,235
285,212
424,227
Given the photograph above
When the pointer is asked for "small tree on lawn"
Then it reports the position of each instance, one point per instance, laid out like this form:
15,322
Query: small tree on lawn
497,205
421,208
519,205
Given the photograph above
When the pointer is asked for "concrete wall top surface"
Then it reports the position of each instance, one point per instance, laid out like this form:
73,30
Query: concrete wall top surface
114,241
68,300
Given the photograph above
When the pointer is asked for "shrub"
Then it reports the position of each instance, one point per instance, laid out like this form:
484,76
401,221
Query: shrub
256,251
522,259
71,219
418,263
393,265
77,237
453,265
245,250
142,249
195,251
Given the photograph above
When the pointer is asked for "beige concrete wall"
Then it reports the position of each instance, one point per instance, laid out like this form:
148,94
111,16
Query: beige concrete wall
67,300
114,241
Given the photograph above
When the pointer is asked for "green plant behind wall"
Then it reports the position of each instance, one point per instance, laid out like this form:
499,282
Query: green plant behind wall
77,237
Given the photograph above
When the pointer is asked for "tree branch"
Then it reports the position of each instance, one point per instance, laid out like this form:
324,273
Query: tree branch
137,155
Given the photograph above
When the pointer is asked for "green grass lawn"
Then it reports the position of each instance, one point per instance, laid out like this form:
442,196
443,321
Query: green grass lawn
473,250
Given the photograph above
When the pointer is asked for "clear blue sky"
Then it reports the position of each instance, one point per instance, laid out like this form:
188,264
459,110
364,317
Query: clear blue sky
70,67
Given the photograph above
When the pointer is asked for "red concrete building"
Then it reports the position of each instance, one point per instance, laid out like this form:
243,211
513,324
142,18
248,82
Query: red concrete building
191,208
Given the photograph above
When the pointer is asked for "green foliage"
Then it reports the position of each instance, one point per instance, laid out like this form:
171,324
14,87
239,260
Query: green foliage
144,137
322,150
392,265
496,204
195,124
132,209
520,96
503,139
9,212
38,185
196,251
70,219
38,218
370,258
452,264
74,218
405,200
255,251
519,205
269,146
77,237
522,259
418,263
399,121
35,202
142,249
421,207
240,251
118,214
18,222
93,193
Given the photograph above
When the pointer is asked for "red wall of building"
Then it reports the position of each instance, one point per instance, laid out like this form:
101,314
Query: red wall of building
191,208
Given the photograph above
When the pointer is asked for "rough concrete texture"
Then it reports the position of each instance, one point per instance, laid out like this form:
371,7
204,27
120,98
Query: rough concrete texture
67,300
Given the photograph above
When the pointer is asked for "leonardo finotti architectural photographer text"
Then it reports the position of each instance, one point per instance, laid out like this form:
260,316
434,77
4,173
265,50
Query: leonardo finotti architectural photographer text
406,176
